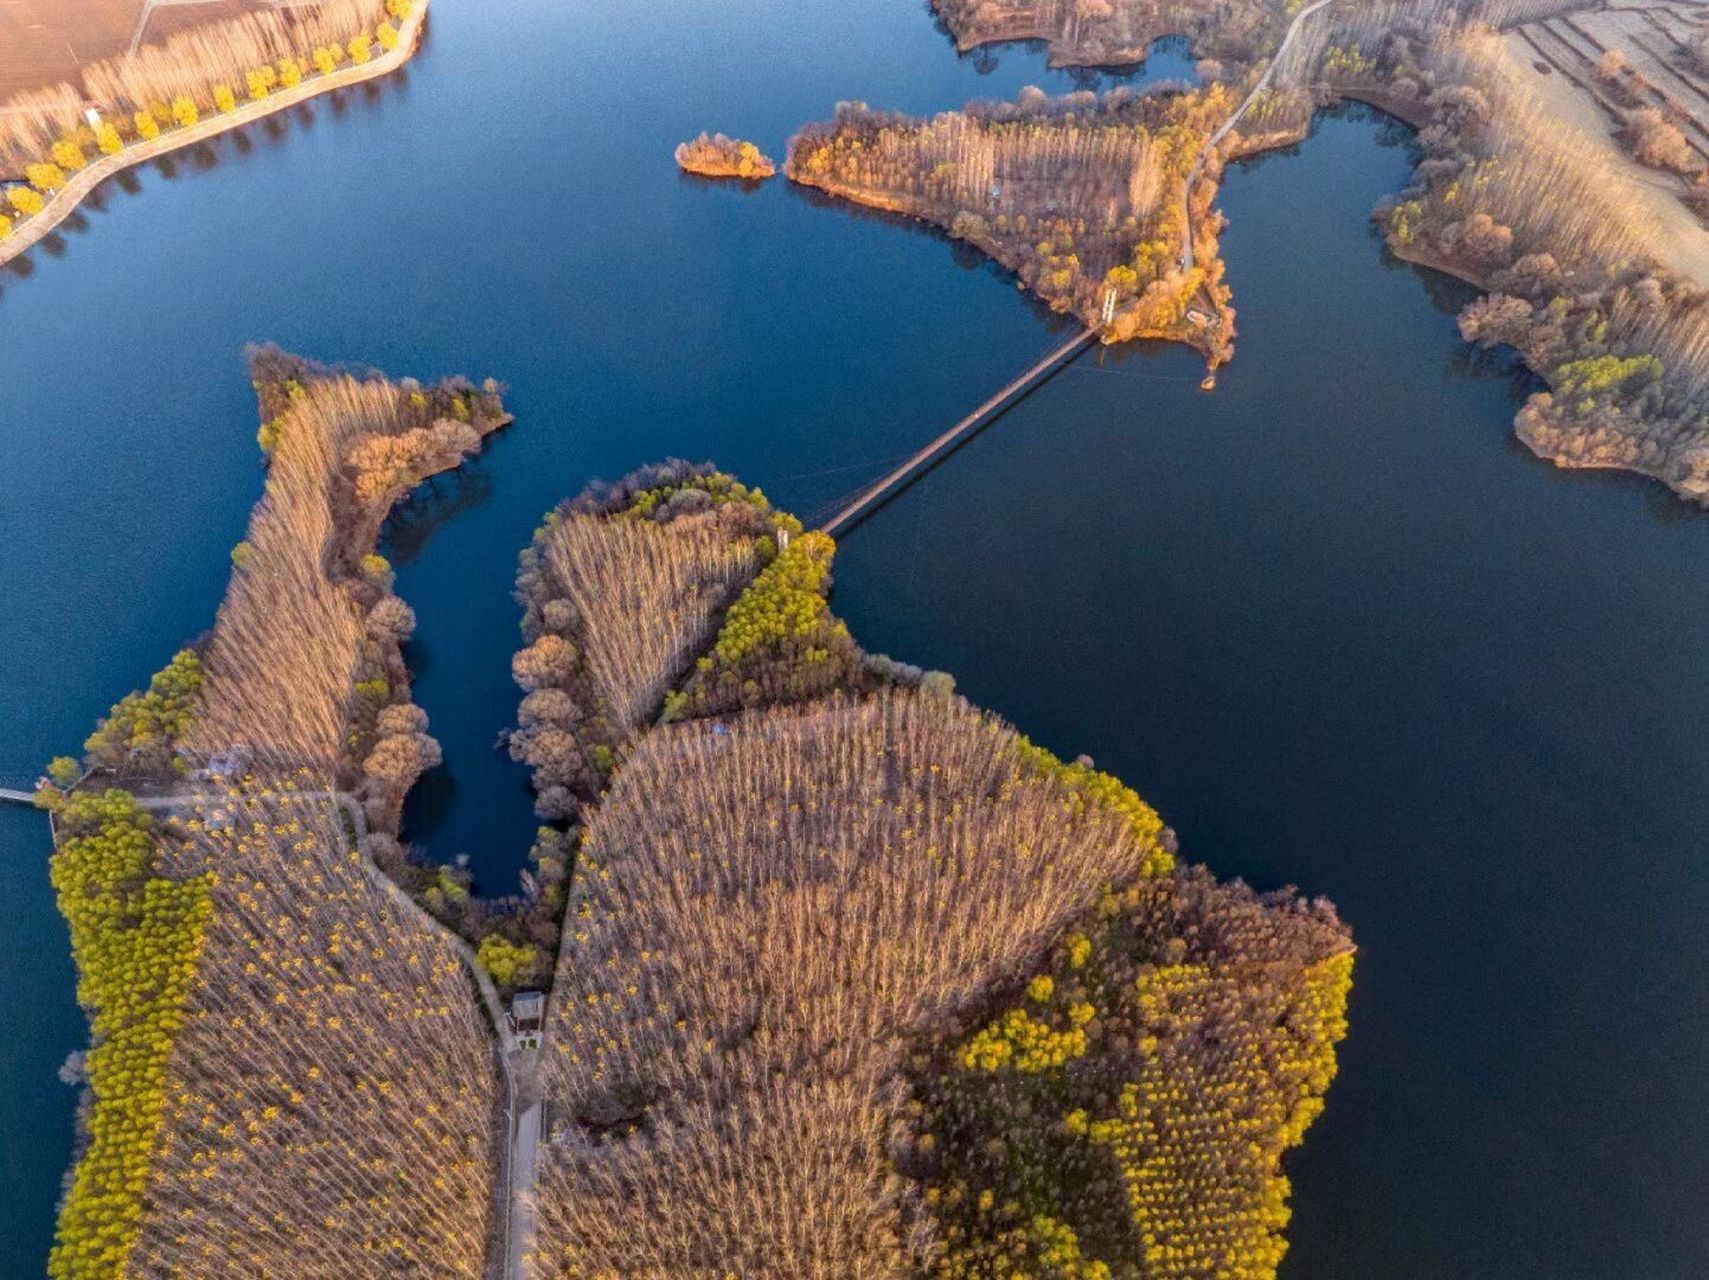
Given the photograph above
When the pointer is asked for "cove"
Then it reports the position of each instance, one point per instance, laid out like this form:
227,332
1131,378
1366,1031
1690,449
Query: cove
1330,619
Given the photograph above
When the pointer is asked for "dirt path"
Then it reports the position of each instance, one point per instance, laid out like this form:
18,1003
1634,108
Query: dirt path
64,201
523,1102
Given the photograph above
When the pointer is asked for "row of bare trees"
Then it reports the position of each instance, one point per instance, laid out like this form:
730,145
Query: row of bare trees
621,589
309,617
187,65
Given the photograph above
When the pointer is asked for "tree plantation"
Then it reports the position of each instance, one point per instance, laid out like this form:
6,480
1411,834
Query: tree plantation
777,1042
846,977
1082,197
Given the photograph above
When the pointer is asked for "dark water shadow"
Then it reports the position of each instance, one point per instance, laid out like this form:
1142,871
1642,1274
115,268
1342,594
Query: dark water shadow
414,520
966,256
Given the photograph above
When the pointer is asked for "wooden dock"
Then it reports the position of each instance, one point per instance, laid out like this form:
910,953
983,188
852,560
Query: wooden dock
885,488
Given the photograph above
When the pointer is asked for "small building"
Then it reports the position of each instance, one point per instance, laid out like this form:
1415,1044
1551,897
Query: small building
223,766
527,1018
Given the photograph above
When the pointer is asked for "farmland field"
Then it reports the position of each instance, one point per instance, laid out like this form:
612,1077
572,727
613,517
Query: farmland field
45,41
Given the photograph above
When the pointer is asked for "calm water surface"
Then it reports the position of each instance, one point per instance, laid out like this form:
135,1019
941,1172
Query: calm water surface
1330,619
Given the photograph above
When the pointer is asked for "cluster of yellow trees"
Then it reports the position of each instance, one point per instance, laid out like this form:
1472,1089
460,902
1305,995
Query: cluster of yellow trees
142,730
1129,1116
786,602
71,151
779,641
135,937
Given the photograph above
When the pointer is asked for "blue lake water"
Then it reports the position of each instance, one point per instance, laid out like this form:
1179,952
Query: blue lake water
1330,618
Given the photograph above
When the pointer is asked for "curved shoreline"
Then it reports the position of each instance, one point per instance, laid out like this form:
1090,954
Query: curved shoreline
64,202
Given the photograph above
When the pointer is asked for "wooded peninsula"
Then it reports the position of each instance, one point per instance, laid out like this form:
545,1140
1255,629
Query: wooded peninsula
1568,187
845,977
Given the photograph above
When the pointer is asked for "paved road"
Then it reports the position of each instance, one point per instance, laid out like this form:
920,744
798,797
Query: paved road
524,1148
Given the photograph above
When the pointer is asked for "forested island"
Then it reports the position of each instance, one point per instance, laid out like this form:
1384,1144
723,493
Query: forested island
712,155
1568,187
846,977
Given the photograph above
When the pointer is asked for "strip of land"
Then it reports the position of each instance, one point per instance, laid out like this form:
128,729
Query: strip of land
62,203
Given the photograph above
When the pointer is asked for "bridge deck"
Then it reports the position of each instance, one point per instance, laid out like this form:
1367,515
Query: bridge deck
885,487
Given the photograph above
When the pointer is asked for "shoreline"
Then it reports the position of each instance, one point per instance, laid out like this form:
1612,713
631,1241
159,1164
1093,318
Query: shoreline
64,202
1184,333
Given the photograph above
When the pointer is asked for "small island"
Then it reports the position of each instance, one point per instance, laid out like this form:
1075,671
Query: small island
713,155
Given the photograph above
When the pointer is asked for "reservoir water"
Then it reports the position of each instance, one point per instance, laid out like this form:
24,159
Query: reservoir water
1330,618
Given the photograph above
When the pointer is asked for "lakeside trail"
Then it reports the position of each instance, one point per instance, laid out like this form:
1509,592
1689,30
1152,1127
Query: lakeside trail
1234,119
64,202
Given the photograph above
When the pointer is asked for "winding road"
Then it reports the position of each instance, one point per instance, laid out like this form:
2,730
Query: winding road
1222,131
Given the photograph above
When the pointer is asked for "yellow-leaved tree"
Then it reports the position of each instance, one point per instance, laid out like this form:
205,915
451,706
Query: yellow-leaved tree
46,177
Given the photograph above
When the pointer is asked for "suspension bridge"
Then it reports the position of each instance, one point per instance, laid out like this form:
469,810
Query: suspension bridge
894,481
